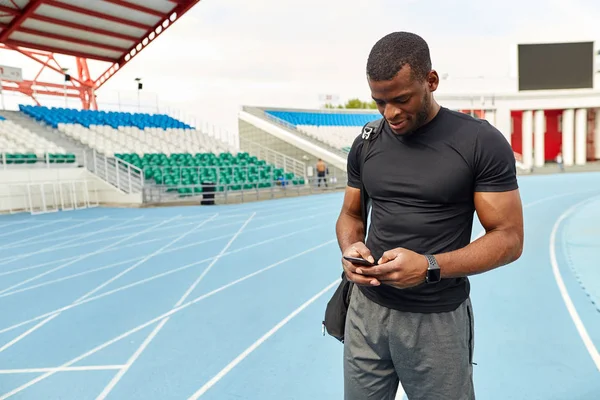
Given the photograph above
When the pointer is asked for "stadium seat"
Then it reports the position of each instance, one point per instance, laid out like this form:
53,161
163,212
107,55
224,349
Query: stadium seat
19,145
120,132
236,172
169,152
335,129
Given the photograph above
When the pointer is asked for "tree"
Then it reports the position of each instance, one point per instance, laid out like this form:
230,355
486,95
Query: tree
355,104
358,104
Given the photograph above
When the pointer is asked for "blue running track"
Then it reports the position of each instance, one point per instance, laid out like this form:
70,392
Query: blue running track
226,302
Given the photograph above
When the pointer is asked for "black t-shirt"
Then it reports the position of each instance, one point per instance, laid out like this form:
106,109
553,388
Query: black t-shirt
422,188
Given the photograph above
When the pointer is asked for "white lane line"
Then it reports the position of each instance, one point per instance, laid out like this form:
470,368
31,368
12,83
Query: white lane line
124,228
79,235
153,254
82,257
312,216
542,200
32,221
65,278
59,245
213,381
51,232
51,317
149,279
157,329
212,227
585,337
28,228
58,369
160,317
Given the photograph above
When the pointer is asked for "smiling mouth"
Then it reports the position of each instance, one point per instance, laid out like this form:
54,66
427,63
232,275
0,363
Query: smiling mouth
398,125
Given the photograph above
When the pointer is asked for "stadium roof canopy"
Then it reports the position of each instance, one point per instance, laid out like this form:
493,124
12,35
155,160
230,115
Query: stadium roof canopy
105,30
114,31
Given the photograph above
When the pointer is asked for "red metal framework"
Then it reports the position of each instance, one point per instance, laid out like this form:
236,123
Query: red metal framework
113,31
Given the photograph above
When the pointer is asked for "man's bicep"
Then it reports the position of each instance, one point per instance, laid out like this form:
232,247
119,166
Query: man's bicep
500,211
352,205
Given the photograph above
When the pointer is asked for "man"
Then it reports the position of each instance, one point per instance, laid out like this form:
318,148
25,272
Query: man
321,171
427,173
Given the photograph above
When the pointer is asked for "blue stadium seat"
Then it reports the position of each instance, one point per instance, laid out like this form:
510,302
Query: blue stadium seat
2,118
54,116
324,119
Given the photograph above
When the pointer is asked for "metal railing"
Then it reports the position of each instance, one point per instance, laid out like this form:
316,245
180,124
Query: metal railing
50,196
280,160
124,176
210,193
293,129
11,159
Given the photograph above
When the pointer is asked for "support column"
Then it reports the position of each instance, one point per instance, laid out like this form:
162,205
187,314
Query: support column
490,116
597,135
568,138
539,130
527,138
504,123
581,136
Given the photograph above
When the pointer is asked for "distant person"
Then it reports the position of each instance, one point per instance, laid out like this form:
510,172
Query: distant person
321,172
559,161
427,172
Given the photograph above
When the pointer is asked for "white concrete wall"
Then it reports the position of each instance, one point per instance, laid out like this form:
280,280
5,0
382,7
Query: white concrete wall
568,137
301,143
502,122
527,130
23,187
535,100
109,195
580,136
539,130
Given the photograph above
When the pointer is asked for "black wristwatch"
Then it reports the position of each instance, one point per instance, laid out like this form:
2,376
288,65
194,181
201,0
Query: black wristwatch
434,273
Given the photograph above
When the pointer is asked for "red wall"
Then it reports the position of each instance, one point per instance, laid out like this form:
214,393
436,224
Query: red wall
552,137
516,137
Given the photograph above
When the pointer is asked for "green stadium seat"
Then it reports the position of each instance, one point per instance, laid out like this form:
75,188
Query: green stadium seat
190,171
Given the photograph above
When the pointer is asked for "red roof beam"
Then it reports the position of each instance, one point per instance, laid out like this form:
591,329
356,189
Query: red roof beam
136,7
16,22
16,43
39,91
96,14
180,10
86,28
9,10
37,53
72,40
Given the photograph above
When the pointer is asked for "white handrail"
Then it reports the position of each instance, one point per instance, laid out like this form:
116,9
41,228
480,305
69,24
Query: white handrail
124,176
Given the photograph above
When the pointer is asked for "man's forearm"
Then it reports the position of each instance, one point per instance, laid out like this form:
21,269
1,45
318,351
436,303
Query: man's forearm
349,230
494,249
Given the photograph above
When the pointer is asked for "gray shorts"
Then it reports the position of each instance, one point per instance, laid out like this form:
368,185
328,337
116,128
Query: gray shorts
431,354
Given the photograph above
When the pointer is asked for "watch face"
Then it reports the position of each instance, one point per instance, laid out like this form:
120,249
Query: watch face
434,275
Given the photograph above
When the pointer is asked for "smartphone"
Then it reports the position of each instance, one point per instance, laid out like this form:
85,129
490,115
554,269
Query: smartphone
359,261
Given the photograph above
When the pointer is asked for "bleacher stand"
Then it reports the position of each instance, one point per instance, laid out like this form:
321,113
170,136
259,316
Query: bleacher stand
19,145
169,152
335,129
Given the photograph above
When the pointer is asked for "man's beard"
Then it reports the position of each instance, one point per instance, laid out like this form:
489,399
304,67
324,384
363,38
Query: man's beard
422,115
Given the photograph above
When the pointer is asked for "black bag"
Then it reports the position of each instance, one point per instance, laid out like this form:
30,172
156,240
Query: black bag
337,307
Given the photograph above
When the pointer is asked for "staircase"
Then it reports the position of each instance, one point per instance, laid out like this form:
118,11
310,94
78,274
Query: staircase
118,173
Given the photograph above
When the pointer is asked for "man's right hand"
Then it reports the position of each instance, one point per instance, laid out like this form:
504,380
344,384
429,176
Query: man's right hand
358,249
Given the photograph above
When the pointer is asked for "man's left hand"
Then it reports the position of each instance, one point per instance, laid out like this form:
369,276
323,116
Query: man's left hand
399,267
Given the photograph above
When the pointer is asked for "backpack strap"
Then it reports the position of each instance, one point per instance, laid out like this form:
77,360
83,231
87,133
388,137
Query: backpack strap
369,132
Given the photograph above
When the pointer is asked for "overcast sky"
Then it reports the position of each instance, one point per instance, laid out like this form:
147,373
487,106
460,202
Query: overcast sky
226,53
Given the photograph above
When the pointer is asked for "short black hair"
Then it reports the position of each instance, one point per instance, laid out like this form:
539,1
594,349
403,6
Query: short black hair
395,50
